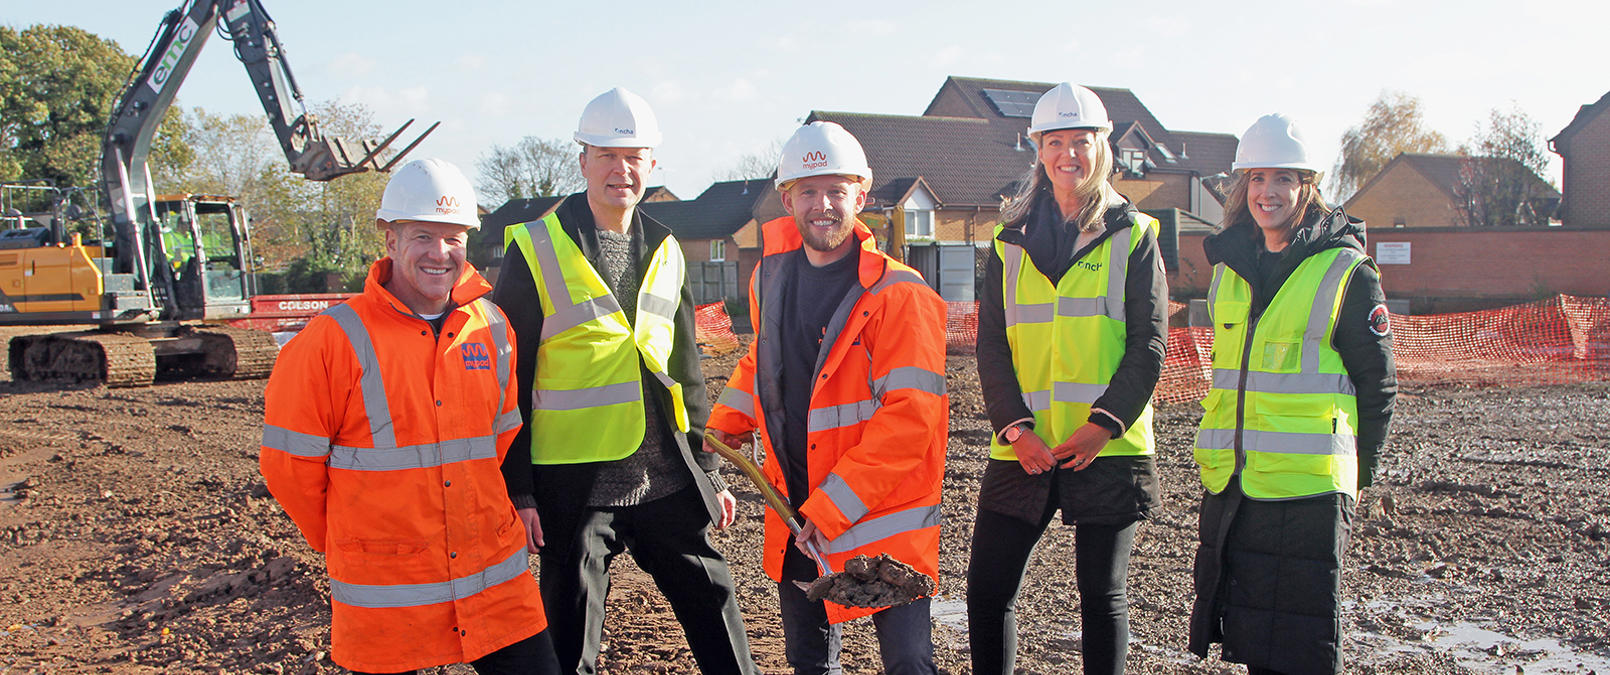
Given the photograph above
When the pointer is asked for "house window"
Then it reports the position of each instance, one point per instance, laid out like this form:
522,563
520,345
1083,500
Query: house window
718,249
919,224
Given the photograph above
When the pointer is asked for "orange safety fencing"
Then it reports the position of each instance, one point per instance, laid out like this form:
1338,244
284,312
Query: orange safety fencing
713,329
1560,340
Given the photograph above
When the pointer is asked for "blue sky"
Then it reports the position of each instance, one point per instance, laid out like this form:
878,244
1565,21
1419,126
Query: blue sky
729,78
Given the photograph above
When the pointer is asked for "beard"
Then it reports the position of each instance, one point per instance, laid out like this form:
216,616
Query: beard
824,241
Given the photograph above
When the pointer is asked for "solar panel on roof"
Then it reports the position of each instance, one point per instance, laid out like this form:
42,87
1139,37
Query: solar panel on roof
1012,103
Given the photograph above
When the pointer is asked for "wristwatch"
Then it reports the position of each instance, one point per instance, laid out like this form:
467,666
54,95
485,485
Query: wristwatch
1014,432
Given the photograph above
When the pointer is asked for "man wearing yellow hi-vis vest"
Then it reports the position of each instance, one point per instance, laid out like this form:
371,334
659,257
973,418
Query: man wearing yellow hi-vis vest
1300,404
611,393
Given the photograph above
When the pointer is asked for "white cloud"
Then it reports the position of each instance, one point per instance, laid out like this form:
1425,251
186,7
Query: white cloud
666,92
409,101
947,56
872,27
739,90
347,65
494,104
472,61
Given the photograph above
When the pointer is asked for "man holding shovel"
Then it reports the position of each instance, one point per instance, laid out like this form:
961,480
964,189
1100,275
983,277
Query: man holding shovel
845,381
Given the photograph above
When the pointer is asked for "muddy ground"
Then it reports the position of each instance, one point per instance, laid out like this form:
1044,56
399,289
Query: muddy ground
136,536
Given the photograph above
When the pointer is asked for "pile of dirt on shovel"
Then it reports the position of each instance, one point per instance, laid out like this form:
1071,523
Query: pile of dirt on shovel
871,582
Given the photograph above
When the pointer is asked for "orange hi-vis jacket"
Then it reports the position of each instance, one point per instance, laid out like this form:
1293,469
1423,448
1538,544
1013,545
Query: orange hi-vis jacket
879,415
383,442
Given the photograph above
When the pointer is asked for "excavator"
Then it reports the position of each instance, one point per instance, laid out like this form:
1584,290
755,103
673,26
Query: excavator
175,267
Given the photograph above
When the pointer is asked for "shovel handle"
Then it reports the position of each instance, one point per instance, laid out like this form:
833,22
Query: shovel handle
773,498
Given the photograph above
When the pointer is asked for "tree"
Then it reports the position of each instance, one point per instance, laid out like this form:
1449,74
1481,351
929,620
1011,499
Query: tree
758,164
1499,183
1393,125
57,85
533,167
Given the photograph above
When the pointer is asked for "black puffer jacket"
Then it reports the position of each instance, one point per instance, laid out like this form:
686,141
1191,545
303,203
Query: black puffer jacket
1268,573
1113,490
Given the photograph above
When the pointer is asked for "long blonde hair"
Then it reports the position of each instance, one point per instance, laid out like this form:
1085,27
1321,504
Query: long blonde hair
1089,191
1308,199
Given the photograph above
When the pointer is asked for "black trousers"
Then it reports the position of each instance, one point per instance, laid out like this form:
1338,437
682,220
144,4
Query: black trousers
531,656
666,537
1000,558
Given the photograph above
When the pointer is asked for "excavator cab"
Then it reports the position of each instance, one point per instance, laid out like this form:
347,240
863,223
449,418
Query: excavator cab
206,240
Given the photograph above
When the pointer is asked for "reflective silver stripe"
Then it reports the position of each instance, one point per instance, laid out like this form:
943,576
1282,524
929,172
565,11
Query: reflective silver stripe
1279,442
843,498
500,344
1285,383
1010,266
1086,307
892,277
664,378
739,400
415,595
883,527
1077,392
591,397
658,306
1039,312
421,456
910,377
1213,289
371,385
548,262
507,421
1320,315
1038,401
1118,271
570,316
295,442
835,416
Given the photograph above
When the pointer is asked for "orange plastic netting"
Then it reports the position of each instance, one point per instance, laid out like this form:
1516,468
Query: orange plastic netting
1559,340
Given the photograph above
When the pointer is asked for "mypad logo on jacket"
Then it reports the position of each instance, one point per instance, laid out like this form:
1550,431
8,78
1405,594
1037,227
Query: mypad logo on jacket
475,356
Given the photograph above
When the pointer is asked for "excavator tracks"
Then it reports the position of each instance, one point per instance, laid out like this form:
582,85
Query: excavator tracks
130,359
117,359
236,353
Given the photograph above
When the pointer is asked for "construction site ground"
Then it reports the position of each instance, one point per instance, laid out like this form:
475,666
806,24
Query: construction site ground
137,536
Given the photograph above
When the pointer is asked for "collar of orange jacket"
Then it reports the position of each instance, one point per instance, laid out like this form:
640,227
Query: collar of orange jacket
781,235
470,285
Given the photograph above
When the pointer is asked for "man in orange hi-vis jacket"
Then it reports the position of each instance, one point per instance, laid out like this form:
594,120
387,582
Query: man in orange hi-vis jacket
845,381
386,421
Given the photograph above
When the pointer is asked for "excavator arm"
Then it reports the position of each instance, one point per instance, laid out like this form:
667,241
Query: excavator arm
125,177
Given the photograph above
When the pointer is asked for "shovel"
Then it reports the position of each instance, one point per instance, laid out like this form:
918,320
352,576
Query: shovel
875,582
773,499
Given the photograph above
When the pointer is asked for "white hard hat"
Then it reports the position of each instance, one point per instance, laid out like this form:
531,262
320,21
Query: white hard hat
1068,106
822,149
1273,142
618,119
429,190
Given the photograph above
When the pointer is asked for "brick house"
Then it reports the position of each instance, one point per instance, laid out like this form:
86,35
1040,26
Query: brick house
1422,190
1584,144
944,173
717,227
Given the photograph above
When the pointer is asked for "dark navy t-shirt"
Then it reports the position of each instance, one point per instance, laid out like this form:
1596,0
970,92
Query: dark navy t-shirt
810,298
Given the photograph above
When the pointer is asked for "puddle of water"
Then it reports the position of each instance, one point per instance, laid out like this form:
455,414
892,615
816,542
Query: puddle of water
1474,647
949,612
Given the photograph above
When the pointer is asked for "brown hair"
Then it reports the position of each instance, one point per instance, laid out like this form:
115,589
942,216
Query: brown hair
1089,190
1308,200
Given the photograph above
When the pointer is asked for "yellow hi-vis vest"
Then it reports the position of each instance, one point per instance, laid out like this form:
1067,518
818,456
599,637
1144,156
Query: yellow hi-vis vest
1282,410
587,396
1085,312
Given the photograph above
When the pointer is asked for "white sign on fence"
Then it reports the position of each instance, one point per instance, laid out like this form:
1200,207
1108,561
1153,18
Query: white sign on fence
1392,252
